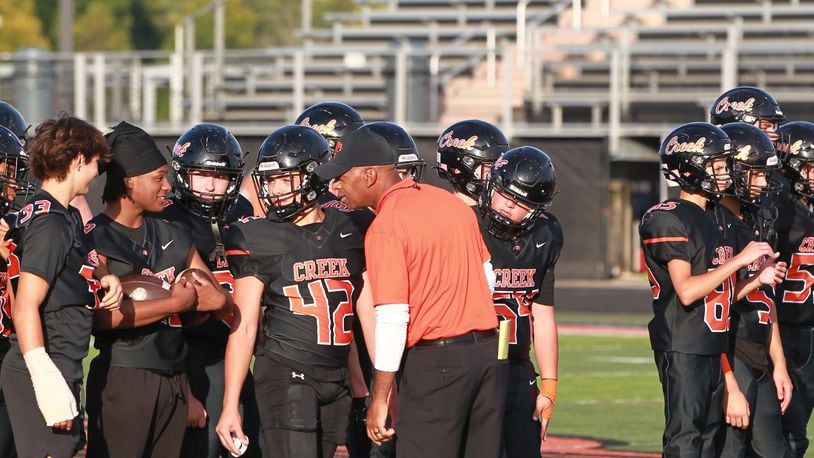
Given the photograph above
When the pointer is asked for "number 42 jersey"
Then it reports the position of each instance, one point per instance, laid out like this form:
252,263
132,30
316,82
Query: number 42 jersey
312,277
679,229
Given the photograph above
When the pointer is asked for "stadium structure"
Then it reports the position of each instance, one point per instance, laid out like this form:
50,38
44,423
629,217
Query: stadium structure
594,83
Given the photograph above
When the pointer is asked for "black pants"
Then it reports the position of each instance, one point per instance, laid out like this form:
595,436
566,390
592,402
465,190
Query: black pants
798,345
521,434
32,437
301,415
206,383
135,413
764,437
451,401
7,449
693,403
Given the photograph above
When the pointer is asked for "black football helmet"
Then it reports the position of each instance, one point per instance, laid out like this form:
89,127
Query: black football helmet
684,154
797,146
13,120
207,148
466,151
333,120
293,153
406,156
752,151
745,104
15,184
525,175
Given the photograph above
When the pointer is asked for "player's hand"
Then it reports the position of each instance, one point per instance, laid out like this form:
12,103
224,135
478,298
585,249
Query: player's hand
184,295
229,425
114,293
754,251
736,409
780,271
64,425
4,228
196,413
782,382
376,419
210,297
542,403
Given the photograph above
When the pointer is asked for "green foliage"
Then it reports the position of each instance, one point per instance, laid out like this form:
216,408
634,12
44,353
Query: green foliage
20,27
103,26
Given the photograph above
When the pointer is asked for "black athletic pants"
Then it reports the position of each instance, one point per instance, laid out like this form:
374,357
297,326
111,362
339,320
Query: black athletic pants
135,413
798,345
302,414
693,403
764,437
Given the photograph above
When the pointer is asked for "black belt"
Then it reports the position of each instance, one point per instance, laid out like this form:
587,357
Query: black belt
469,337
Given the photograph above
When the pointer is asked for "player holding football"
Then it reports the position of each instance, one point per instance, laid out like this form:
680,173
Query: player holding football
305,265
138,398
692,276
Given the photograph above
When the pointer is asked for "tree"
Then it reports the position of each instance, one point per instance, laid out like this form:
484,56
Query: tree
104,26
20,27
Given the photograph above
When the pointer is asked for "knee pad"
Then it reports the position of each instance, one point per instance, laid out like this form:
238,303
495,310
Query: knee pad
301,409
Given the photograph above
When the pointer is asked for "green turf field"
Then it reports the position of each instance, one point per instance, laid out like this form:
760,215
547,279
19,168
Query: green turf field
609,390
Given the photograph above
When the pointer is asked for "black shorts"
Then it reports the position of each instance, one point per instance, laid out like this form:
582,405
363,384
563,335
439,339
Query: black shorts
301,414
31,436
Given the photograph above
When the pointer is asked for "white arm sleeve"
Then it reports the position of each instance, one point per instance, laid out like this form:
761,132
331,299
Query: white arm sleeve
391,335
491,278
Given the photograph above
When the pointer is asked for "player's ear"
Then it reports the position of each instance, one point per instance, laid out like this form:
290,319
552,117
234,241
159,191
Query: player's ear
371,176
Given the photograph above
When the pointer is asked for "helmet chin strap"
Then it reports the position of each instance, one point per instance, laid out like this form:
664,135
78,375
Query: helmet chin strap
219,251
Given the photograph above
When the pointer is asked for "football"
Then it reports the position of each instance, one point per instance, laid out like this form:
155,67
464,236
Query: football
144,287
186,274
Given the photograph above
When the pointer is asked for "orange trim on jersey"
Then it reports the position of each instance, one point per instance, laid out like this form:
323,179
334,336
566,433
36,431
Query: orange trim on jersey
238,252
665,239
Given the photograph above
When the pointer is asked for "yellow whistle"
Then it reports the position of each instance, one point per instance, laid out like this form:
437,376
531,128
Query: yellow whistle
503,340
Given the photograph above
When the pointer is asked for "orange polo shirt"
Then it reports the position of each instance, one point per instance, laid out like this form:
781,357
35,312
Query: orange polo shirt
425,249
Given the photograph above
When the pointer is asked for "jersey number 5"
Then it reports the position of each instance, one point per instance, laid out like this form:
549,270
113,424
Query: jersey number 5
798,273
331,328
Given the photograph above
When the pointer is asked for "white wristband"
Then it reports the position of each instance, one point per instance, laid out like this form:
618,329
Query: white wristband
391,335
55,399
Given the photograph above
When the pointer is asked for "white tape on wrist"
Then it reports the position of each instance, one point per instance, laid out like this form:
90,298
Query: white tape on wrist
55,399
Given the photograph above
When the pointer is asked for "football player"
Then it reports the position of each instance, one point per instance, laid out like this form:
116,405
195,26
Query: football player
750,105
207,167
795,307
692,276
524,240
758,388
466,152
137,393
52,270
305,264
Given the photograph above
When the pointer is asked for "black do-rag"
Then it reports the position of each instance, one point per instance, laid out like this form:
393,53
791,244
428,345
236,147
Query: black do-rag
134,151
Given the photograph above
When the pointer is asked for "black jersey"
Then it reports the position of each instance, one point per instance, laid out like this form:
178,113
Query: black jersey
209,241
312,277
679,229
524,271
795,242
162,253
5,303
48,240
751,316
